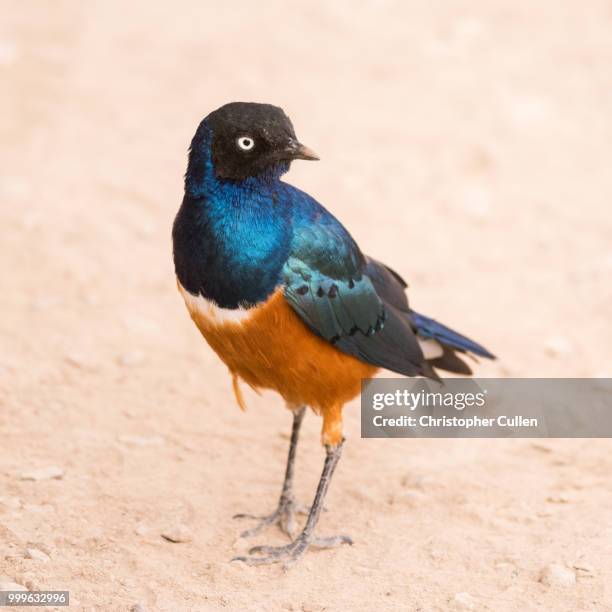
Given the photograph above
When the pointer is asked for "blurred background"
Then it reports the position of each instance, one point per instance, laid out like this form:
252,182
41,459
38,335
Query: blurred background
467,144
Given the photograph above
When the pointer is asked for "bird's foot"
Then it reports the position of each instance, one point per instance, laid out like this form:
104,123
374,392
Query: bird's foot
290,553
283,516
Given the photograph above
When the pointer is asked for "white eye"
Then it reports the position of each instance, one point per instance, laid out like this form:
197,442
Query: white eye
246,143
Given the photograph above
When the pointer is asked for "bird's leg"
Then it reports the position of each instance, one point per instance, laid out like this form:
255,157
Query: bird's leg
284,515
292,552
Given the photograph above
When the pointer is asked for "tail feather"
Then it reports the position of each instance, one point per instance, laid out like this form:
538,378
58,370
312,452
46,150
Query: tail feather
450,361
428,328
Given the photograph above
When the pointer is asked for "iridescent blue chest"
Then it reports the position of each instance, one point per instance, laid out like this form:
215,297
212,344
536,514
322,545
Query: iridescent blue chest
232,239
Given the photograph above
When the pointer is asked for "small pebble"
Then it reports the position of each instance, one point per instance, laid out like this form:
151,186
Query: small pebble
31,585
562,498
541,447
37,555
81,362
312,607
14,503
411,481
556,574
138,607
48,473
178,533
11,586
407,498
141,529
558,346
503,565
142,440
464,600
437,554
11,553
131,358
93,299
40,546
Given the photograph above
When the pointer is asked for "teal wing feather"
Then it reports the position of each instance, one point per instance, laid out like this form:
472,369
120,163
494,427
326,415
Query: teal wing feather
331,286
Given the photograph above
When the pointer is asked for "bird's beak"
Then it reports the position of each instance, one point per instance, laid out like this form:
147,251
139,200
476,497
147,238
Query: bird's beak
296,150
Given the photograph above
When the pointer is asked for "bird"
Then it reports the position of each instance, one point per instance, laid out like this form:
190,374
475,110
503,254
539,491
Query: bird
285,297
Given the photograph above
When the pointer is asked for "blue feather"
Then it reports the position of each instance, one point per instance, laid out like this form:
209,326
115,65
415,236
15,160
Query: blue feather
428,328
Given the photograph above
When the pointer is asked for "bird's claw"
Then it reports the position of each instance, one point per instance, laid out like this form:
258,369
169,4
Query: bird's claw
283,516
290,553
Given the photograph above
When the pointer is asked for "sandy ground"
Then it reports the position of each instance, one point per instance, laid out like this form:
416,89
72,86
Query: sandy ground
465,143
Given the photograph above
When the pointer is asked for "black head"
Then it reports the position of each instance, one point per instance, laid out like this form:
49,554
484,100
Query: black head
250,139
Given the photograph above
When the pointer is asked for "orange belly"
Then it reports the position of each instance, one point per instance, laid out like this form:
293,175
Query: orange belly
271,348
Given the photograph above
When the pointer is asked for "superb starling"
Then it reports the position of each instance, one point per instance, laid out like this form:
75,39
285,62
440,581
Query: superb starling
285,297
